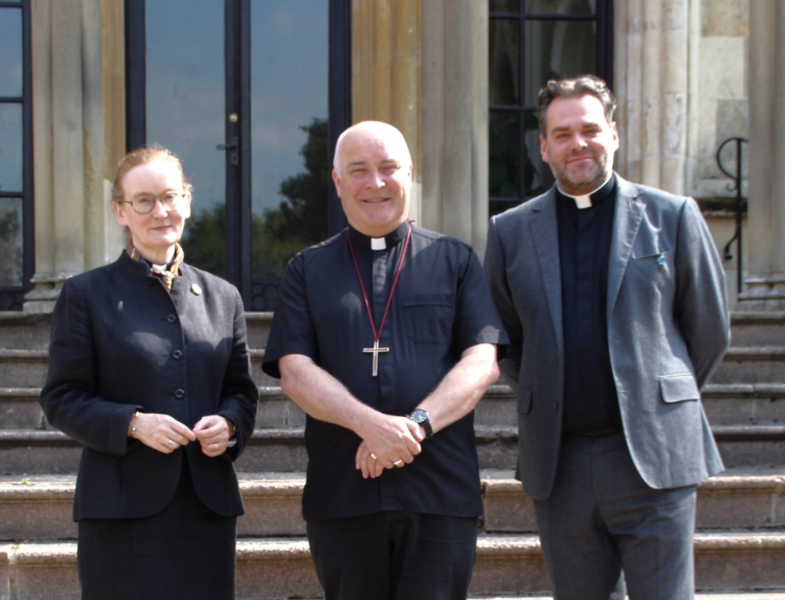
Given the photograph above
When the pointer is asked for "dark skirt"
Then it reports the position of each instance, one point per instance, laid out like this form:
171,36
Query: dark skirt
185,551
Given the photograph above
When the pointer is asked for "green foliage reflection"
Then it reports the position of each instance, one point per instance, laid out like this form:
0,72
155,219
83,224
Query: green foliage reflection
279,233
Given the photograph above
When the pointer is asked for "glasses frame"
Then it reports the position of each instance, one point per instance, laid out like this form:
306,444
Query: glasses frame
177,203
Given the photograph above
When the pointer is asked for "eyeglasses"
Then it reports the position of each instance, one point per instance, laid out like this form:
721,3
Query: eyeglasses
144,204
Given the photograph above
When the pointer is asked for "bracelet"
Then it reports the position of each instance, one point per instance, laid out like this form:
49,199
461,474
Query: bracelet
133,429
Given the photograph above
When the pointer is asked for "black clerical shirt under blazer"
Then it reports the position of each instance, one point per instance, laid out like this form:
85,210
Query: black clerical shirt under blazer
121,343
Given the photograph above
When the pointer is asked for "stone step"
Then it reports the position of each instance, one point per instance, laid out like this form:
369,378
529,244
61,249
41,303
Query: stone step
729,404
753,365
32,451
23,367
758,329
24,331
282,567
38,508
30,331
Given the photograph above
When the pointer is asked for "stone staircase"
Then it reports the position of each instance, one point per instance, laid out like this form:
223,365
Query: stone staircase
739,547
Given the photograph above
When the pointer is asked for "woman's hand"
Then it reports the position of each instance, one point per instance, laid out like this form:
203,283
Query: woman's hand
213,433
161,432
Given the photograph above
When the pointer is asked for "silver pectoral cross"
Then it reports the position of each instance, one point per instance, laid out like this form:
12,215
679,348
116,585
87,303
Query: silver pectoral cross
375,351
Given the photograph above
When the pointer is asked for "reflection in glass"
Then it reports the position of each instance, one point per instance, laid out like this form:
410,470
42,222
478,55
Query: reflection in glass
504,147
562,7
538,175
11,148
504,88
290,172
11,51
11,242
508,6
554,50
186,112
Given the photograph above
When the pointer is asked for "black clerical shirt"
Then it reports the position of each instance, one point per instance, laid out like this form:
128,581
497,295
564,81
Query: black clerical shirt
441,307
591,405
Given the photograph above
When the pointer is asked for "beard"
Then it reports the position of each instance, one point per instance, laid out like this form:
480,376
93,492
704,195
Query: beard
586,179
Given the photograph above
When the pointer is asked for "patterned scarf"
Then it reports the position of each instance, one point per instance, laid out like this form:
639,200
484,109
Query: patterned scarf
166,273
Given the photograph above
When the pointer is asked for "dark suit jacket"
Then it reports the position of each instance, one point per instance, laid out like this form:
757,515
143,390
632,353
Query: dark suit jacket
668,328
120,342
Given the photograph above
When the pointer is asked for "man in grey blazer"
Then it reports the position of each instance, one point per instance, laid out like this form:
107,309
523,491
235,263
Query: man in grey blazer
614,300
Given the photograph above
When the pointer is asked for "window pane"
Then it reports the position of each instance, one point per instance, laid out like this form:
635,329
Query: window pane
11,243
563,7
537,173
504,150
503,63
186,113
11,147
509,6
11,51
290,172
555,50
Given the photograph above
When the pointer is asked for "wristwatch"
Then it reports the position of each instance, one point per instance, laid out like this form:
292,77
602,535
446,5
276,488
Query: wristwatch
422,417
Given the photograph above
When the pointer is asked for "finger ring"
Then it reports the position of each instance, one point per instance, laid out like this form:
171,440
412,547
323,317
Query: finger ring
398,462
373,456
169,442
215,446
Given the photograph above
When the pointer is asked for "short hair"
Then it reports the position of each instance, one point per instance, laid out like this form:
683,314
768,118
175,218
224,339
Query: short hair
576,87
143,156
380,128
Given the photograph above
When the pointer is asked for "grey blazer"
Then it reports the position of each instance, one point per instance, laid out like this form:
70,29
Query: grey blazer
668,328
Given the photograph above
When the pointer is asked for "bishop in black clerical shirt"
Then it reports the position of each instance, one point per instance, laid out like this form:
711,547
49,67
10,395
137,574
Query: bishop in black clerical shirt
386,336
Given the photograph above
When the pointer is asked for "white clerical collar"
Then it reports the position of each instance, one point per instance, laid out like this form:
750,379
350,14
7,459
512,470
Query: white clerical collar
378,243
584,200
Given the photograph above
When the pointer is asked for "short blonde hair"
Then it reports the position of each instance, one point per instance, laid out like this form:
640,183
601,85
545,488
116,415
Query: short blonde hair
143,156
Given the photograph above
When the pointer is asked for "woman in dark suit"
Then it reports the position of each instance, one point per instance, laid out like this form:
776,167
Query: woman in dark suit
149,370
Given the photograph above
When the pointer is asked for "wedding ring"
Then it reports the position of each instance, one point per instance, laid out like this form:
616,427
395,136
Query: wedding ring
169,442
398,462
373,456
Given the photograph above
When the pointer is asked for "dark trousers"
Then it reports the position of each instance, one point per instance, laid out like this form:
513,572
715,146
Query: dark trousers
394,555
602,519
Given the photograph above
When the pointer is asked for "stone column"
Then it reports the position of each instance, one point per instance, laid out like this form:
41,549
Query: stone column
765,282
71,206
455,118
386,72
651,66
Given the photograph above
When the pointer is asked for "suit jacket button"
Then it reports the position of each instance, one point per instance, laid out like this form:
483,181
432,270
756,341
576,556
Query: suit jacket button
555,407
179,394
177,354
171,318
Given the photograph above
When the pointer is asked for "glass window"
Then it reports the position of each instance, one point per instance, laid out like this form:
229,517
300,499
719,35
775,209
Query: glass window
186,114
11,133
530,42
11,246
11,51
290,172
16,199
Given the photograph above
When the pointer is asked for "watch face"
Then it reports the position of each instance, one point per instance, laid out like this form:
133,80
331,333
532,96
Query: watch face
419,416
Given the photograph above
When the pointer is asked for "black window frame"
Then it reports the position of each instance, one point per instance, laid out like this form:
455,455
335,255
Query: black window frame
603,17
12,297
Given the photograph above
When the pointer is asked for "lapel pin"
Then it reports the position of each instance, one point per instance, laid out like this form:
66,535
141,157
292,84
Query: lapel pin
661,261
196,289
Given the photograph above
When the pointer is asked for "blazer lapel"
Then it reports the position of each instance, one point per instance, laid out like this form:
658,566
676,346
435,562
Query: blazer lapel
626,221
544,231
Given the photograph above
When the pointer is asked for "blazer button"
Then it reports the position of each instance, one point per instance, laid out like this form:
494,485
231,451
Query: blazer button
171,318
179,394
555,407
177,354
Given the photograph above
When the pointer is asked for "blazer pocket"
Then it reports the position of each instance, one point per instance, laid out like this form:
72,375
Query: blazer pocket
679,387
524,401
